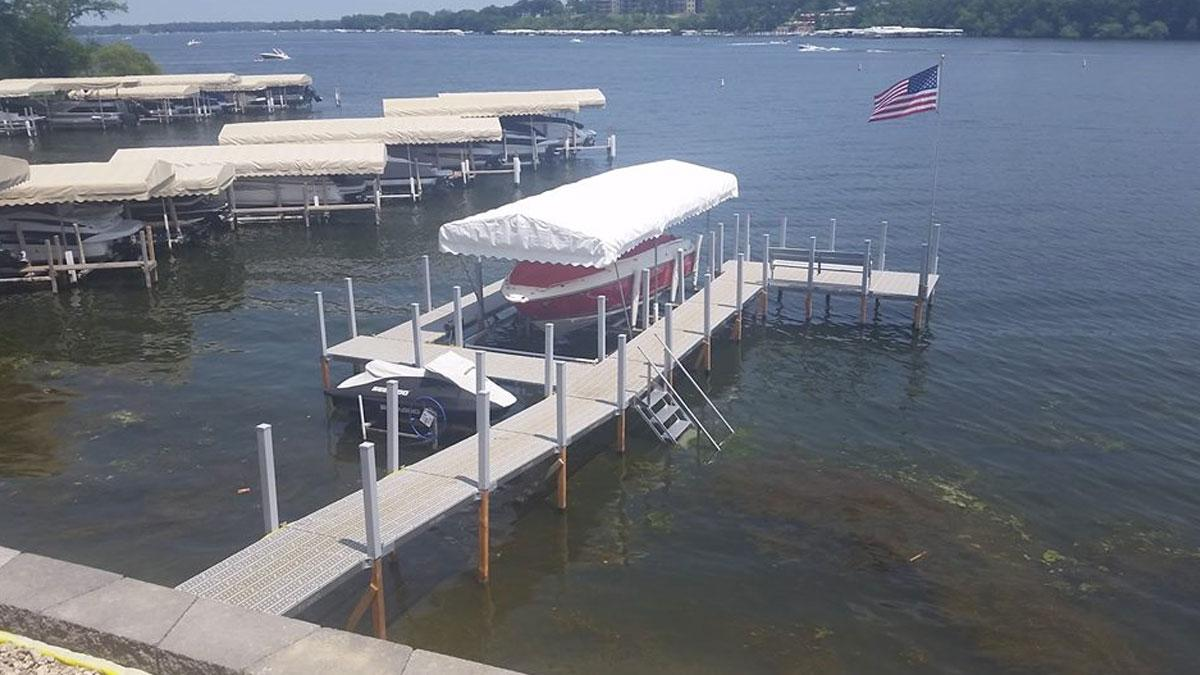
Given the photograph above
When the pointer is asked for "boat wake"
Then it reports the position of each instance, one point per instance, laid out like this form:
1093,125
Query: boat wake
757,44
805,47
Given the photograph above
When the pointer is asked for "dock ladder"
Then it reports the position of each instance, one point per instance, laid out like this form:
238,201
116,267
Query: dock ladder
665,411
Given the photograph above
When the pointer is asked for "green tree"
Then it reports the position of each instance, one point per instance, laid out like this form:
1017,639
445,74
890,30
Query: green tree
119,58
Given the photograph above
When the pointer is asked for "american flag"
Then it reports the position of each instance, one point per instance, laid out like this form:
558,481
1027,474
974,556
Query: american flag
915,94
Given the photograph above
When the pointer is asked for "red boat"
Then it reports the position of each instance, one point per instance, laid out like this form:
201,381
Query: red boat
565,295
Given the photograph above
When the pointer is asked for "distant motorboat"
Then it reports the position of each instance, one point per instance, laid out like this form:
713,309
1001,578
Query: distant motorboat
194,42
275,54
576,40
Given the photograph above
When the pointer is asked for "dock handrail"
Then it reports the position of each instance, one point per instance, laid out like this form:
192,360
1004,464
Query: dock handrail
667,383
707,400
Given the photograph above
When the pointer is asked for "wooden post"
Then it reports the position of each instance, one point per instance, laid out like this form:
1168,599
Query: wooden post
560,389
766,275
458,317
325,384
549,360
483,431
882,245
418,359
350,302
266,477
601,328
741,277
393,426
622,392
812,269
865,287
373,596
707,348
428,285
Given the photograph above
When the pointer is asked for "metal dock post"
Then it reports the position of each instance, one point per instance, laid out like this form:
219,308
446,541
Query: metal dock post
737,233
741,278
766,275
645,299
373,596
428,285
720,248
882,245
865,287
696,264
601,328
622,402
783,232
677,293
935,254
712,254
266,475
560,389
812,269
418,358
668,360
748,256
483,431
325,384
707,353
393,426
458,317
922,290
516,170
549,356
833,234
350,302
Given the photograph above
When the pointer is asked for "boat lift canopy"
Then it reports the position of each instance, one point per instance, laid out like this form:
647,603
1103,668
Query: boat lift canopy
594,221
13,171
206,81
155,92
495,104
268,161
198,180
261,82
387,130
81,182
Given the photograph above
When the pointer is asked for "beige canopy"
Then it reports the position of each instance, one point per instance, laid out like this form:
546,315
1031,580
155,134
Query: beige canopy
201,179
156,92
23,88
112,181
13,171
387,130
284,159
210,81
261,82
496,104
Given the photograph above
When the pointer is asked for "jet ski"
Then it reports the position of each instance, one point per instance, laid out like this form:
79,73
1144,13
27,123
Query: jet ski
432,399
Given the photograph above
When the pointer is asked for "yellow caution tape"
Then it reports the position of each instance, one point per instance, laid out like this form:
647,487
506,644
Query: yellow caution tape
70,658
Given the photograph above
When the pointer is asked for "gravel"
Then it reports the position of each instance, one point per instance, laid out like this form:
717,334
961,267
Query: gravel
14,659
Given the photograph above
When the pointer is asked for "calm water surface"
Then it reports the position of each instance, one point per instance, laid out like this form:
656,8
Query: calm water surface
1015,492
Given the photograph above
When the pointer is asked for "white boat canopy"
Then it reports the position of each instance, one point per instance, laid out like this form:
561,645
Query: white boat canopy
25,88
210,81
198,180
594,221
261,82
495,104
387,130
283,159
157,92
81,182
13,171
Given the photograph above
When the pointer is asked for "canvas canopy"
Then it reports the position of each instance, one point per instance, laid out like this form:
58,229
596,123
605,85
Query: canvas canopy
202,80
594,221
24,88
284,159
155,92
495,104
201,179
80,182
260,82
387,130
13,171
49,85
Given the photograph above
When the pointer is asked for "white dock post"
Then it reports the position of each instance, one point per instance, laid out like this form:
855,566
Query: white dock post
882,245
324,341
833,234
378,201
696,264
549,355
374,593
707,323
393,426
737,233
418,358
350,301
712,253
480,371
458,317
748,256
766,274
668,359
560,390
937,245
865,286
483,431
622,393
428,285
812,269
677,292
922,290
612,148
601,328
783,232
720,249
516,169
741,278
645,299
266,475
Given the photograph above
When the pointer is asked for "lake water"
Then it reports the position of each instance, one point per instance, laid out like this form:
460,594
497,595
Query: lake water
1014,492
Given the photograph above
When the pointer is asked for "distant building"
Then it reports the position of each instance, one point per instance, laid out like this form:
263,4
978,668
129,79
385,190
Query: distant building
636,6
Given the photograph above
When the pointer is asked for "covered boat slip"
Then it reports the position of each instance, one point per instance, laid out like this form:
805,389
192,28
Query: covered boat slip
287,180
404,137
158,102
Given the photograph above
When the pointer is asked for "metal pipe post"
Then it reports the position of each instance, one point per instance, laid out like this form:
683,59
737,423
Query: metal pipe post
748,256
366,459
428,285
922,289
712,254
741,277
720,249
882,245
812,269
696,262
937,246
601,328
516,170
707,323
833,234
480,371
393,426
418,358
677,286
645,299
483,428
266,475
668,359
561,402
324,341
350,301
865,287
458,317
622,392
766,274
783,232
549,354
737,233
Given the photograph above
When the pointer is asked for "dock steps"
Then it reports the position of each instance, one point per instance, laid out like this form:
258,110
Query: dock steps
664,414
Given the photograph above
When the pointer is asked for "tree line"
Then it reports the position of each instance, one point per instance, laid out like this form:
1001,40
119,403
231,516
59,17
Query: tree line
1145,19
36,41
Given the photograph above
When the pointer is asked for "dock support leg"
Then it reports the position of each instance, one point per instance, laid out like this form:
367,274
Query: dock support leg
922,291
601,328
763,298
458,317
325,384
741,278
483,427
706,348
393,426
145,259
428,285
720,249
266,475
353,318
418,358
668,358
560,389
865,288
808,289
622,390
373,596
645,299
549,360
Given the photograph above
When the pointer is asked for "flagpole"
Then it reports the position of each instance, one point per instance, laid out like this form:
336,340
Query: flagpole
937,139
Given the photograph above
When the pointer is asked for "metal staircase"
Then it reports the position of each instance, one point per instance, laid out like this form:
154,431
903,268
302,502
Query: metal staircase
664,413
